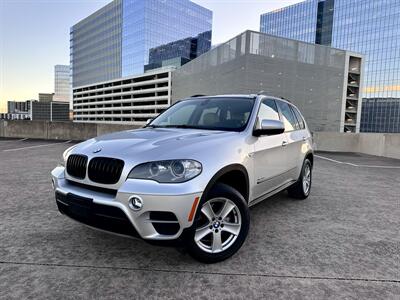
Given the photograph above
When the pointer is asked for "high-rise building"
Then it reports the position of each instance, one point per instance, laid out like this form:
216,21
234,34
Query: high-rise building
115,41
369,27
62,83
177,53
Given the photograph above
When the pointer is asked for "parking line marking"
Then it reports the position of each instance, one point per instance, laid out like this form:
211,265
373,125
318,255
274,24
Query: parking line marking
37,146
355,165
13,140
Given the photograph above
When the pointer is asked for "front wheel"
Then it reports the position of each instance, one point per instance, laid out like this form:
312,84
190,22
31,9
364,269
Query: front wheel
221,225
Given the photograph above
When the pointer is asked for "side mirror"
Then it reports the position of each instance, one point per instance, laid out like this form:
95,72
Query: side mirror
269,127
149,121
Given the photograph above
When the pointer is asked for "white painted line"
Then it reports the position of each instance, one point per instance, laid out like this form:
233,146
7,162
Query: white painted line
37,146
330,159
7,141
355,165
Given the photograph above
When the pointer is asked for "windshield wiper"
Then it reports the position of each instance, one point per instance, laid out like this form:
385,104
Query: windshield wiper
170,126
187,127
181,126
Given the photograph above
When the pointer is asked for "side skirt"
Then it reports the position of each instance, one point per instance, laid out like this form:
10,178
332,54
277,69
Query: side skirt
271,193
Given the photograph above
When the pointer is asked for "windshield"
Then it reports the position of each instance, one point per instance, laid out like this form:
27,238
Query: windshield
230,114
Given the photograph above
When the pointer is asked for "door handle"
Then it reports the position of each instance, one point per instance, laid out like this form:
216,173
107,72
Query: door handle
284,144
304,138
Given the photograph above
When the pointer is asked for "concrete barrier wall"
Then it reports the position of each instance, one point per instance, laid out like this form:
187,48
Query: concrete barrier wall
24,129
392,145
335,141
70,131
57,130
379,144
107,128
1,128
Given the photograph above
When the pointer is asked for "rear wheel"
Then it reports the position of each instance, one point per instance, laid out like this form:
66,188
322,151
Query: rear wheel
301,189
221,225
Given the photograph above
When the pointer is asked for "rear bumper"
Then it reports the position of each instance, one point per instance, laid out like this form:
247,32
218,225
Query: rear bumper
163,216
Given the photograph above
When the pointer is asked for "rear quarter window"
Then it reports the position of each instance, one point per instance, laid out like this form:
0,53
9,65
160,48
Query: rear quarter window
299,117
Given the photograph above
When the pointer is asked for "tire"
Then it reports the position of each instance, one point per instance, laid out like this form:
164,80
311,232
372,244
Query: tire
212,241
301,189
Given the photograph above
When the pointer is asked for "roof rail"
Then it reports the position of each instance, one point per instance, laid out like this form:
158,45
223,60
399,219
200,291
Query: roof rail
283,98
263,93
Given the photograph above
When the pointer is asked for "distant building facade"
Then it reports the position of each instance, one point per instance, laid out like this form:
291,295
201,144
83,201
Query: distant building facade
62,84
7,116
17,110
115,41
14,107
36,110
46,97
323,82
49,111
369,27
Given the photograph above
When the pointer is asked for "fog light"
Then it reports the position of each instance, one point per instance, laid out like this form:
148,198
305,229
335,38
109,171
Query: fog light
135,203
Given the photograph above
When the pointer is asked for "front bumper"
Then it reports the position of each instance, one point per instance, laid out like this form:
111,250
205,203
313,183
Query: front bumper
163,216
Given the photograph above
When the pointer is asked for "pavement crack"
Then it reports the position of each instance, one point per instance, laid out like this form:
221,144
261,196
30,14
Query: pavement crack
283,276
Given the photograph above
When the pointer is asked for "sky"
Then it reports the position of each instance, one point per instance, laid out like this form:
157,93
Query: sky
34,36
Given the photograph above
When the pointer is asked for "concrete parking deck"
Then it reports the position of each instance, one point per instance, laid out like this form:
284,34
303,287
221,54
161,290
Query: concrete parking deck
342,242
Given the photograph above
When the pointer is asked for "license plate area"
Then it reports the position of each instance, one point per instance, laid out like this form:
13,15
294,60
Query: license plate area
77,205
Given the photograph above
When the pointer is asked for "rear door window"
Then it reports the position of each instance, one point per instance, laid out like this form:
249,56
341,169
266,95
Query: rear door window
289,118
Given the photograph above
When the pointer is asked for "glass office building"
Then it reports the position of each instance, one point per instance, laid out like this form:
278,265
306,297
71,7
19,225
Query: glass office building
151,23
369,27
299,24
177,53
116,40
62,85
95,46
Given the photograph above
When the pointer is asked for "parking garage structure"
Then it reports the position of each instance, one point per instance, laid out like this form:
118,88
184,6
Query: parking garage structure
324,82
130,100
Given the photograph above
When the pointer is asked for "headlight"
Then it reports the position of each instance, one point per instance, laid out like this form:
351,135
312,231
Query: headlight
167,171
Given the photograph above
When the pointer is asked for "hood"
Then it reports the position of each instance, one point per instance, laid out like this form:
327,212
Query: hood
153,143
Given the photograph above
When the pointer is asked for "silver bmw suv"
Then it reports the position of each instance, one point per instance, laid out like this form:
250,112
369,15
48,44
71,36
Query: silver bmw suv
191,174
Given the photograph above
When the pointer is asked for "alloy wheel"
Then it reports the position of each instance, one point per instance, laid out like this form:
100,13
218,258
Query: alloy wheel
307,179
219,225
